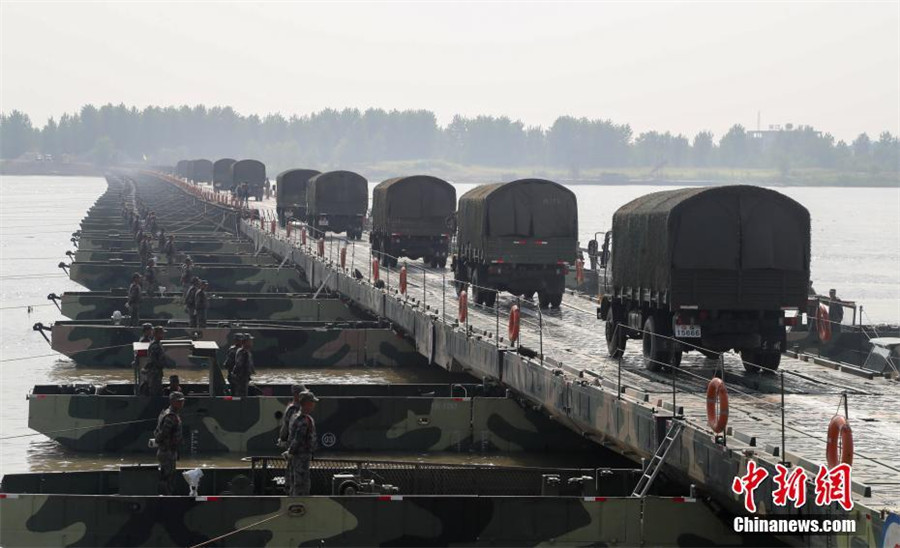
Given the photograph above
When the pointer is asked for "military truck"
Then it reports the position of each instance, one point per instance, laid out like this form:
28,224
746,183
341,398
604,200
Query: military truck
410,218
183,168
222,174
519,237
713,267
290,194
201,171
336,201
252,172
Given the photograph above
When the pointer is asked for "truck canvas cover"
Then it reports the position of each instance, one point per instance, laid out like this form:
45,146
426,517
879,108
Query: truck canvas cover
202,171
513,219
742,247
182,168
415,205
337,193
248,171
222,172
290,186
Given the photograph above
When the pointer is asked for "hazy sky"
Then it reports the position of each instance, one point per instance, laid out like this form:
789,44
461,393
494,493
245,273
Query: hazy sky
678,67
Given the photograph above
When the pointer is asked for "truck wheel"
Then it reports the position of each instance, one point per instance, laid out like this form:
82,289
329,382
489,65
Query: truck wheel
442,263
556,300
615,335
528,296
709,354
654,355
543,299
490,297
756,361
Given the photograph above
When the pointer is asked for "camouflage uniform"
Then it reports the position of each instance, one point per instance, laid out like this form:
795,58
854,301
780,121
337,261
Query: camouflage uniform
187,274
302,444
168,438
230,357
134,303
152,374
284,435
144,251
201,304
150,278
243,370
170,252
190,306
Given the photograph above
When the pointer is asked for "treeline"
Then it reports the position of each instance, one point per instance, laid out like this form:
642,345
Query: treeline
119,134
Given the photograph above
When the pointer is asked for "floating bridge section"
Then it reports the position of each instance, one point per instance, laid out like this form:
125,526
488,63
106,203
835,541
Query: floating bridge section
618,403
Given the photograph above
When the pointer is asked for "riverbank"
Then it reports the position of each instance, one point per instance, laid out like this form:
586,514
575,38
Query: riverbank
34,167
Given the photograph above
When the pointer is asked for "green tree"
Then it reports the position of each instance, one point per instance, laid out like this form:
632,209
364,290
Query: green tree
16,134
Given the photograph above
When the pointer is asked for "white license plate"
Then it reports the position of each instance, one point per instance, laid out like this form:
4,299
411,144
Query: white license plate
687,331
323,222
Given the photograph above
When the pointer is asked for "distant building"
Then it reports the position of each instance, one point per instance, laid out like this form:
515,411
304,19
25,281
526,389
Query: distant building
767,138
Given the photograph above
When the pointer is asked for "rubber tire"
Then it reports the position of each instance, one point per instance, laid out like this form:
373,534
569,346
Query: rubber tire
767,359
615,338
556,300
442,263
490,298
543,299
528,296
653,356
477,294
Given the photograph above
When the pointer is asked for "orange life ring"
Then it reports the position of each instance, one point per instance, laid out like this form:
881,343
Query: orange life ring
839,429
375,269
579,271
303,236
463,305
823,323
344,257
717,393
514,323
403,280
321,247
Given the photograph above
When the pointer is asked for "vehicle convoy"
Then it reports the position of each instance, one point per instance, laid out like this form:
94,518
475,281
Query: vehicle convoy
252,172
518,237
290,194
711,269
221,177
201,171
410,217
336,201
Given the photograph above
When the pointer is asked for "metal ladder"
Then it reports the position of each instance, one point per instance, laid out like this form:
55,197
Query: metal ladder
655,464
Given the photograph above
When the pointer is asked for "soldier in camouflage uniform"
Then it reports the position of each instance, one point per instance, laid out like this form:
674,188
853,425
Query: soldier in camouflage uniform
302,443
150,277
243,368
134,299
170,250
187,274
168,436
145,250
201,304
284,433
157,360
190,301
231,355
161,239
146,333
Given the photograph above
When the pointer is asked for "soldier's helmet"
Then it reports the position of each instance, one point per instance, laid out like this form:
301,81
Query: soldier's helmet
176,396
135,276
308,396
145,326
298,389
159,329
238,337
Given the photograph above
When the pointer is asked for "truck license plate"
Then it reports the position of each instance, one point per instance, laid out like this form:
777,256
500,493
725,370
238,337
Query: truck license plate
323,222
687,331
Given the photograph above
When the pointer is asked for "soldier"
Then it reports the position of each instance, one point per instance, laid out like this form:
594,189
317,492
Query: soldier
146,333
201,303
144,250
268,188
161,242
150,277
139,237
135,225
243,368
170,250
174,385
302,443
231,355
134,299
835,311
157,360
151,222
187,274
168,436
593,248
284,432
190,301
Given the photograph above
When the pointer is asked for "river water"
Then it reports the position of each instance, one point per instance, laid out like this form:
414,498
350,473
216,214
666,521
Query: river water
856,249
